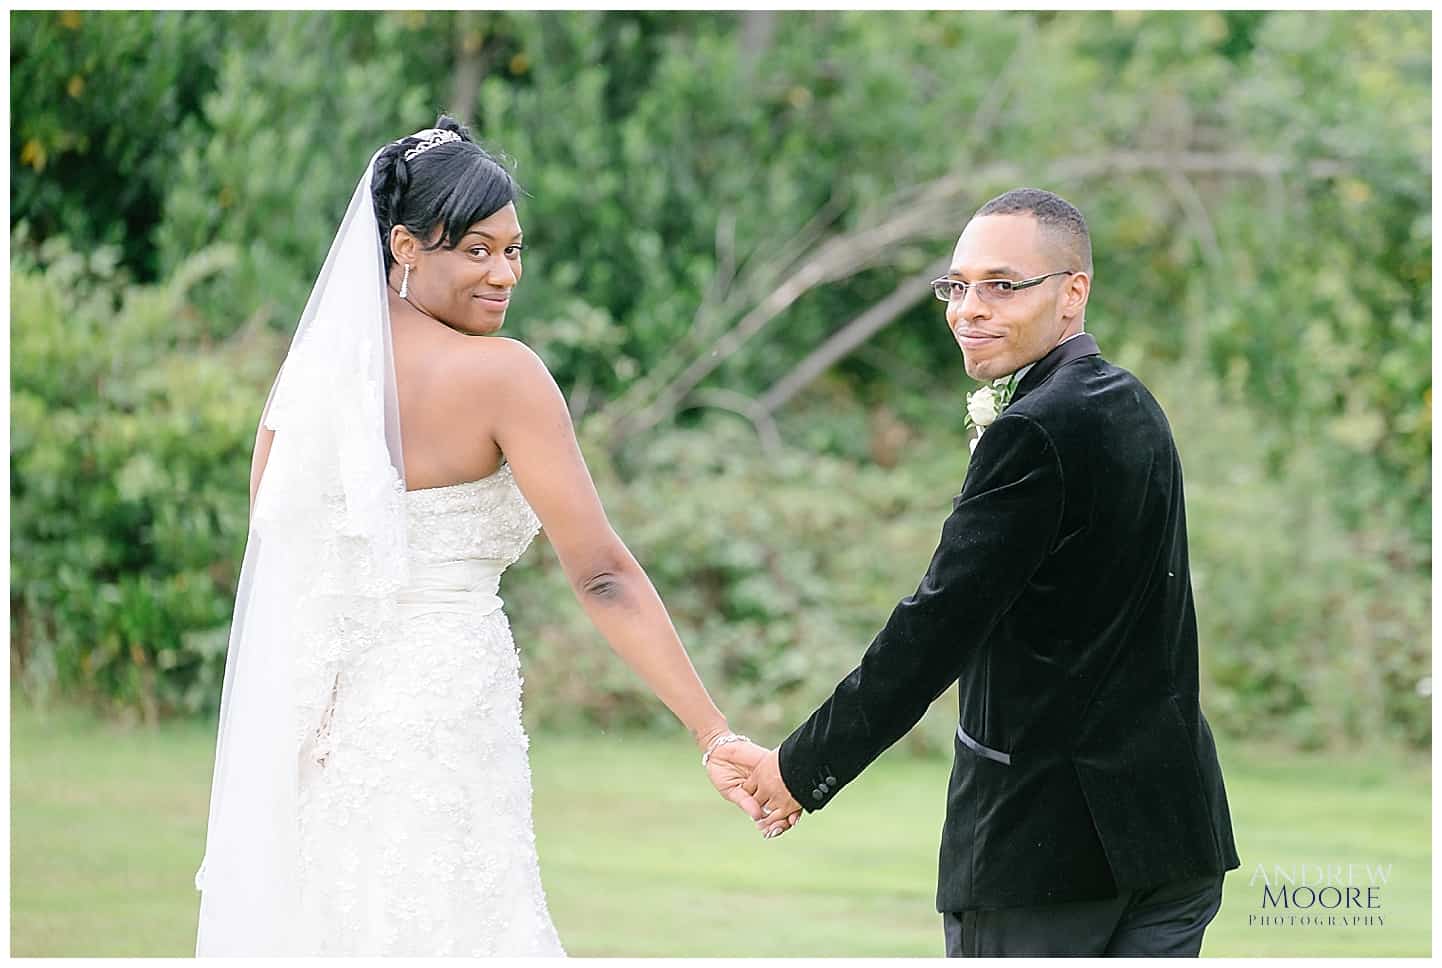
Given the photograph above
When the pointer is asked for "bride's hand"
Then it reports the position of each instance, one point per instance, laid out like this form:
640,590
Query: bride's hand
729,767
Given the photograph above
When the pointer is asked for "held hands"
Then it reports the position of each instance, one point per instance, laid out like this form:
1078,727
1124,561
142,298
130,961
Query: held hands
750,777
780,811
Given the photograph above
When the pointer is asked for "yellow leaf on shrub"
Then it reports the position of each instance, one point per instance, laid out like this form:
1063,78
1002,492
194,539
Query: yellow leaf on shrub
33,154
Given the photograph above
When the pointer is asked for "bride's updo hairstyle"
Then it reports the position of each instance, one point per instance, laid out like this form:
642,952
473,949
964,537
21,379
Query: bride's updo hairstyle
453,184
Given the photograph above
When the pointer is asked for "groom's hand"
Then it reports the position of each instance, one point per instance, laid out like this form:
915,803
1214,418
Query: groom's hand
728,768
779,808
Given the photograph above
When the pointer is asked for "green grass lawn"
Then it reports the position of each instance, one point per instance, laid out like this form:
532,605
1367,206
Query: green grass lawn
640,858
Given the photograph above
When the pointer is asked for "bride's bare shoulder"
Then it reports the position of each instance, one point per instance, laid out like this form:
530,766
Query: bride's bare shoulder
502,355
508,366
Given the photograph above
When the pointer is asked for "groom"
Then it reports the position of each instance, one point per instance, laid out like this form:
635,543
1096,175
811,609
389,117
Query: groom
1086,813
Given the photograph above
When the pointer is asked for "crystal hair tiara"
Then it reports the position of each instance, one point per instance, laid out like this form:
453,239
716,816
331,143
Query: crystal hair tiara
433,137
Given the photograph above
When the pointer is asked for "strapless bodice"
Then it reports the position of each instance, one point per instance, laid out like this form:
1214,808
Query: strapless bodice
486,519
461,537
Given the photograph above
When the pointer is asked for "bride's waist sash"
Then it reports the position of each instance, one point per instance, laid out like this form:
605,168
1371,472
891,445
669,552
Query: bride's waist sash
469,586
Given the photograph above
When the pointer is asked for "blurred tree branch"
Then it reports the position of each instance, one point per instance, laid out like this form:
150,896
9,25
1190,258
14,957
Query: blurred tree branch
752,410
725,298
758,29
470,65
925,213
849,337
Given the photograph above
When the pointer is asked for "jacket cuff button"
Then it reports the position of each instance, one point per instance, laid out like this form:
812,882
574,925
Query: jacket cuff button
817,794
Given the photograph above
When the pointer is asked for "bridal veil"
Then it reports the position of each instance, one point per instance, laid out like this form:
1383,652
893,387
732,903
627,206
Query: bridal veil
325,553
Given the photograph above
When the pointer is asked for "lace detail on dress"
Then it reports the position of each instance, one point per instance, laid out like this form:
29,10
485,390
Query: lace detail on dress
415,823
480,519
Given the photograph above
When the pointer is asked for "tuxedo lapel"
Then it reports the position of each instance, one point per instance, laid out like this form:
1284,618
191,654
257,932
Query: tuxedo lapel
1072,349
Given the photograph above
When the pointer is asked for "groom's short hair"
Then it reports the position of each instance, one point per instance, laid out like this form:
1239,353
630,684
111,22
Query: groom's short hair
1059,220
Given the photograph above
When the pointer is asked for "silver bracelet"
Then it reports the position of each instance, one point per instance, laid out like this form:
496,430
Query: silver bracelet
719,742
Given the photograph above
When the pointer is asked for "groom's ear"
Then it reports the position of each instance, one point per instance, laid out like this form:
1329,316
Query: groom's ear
1074,296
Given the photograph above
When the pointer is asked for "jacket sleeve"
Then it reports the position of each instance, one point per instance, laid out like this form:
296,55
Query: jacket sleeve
1001,528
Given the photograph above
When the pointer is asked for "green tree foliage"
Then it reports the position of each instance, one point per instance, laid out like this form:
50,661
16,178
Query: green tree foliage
97,103
287,130
713,201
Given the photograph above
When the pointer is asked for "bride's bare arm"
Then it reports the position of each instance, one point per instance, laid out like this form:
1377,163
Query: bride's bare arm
263,436
533,429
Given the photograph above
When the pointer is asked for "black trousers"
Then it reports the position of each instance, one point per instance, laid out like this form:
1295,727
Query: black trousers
1168,920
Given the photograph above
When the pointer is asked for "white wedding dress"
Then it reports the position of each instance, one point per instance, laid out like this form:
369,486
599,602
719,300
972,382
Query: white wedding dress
415,801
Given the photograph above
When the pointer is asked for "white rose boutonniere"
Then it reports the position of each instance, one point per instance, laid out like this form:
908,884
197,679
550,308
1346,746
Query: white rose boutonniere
984,405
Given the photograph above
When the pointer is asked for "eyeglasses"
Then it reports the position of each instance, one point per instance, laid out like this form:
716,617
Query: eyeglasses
990,290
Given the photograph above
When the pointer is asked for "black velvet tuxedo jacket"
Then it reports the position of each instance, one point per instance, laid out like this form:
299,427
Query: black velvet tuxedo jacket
1060,601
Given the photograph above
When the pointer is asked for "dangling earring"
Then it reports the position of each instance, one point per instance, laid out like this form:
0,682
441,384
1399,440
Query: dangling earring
406,280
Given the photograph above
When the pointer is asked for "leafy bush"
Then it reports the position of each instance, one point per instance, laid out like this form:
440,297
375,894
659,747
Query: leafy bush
1313,630
778,570
129,453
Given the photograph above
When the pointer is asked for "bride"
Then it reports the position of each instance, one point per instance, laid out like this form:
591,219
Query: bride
372,793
